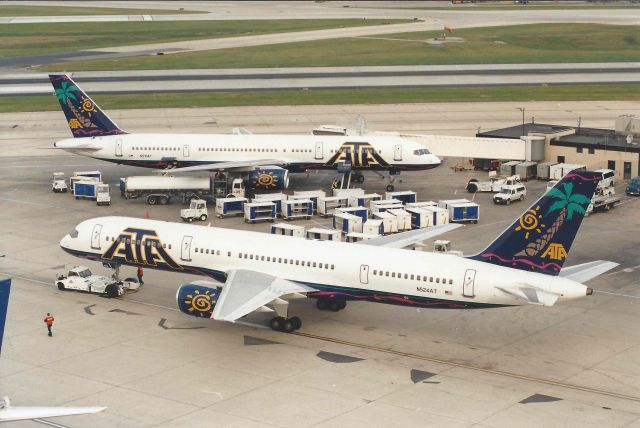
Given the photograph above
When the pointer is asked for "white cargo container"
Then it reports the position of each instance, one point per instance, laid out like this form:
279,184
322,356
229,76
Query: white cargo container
421,204
297,208
276,198
328,204
444,203
346,222
230,206
357,237
556,172
287,230
321,234
363,200
359,211
259,211
404,218
385,204
373,227
406,196
313,195
420,218
439,215
348,192
389,221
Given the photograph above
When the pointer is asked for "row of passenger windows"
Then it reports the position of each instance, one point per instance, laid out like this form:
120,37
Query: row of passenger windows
166,149
423,278
148,242
237,149
285,261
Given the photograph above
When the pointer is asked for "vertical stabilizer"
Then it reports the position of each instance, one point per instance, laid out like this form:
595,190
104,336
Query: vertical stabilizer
540,239
84,117
5,288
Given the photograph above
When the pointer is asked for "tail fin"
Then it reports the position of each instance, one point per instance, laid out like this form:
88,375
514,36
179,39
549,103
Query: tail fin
84,117
5,288
540,239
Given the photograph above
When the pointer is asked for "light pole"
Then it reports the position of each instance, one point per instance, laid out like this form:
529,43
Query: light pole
522,109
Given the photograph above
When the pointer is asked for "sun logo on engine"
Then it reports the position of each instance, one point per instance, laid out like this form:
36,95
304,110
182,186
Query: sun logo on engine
202,304
266,180
529,221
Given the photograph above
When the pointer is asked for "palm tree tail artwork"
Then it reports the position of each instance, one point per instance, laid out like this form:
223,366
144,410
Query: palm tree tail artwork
84,117
540,239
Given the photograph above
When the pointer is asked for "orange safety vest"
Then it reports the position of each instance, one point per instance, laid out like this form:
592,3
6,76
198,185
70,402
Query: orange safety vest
49,320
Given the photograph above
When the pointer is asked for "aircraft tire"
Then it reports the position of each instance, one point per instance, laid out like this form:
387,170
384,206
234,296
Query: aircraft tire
321,304
288,326
343,305
334,306
297,323
277,323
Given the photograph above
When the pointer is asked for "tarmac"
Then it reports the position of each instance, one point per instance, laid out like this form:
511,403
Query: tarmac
574,364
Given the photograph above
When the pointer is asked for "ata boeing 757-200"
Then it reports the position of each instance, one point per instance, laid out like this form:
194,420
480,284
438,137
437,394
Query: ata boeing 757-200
262,272
97,136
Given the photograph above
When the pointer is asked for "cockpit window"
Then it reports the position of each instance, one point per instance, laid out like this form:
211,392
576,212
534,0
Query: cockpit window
74,233
421,152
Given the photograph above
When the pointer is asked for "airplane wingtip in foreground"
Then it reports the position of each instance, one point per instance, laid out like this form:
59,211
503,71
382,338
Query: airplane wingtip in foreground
263,272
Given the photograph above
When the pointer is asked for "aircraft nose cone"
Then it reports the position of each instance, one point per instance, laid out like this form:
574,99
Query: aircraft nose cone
66,241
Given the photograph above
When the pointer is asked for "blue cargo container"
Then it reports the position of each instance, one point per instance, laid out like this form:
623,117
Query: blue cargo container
86,189
230,206
361,212
464,212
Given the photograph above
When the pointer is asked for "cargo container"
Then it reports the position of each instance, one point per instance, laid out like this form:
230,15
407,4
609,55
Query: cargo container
259,211
287,230
527,170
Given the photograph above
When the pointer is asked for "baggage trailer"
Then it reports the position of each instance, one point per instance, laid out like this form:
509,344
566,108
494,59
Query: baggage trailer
313,195
320,234
297,208
527,170
405,197
389,221
348,192
421,204
346,222
420,218
556,172
159,189
373,227
385,204
287,229
73,180
542,170
363,200
439,215
276,198
404,218
464,212
259,211
508,168
328,204
93,190
359,211
357,237
226,207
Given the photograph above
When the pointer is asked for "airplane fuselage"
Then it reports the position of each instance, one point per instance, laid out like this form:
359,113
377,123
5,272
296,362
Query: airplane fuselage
298,152
334,269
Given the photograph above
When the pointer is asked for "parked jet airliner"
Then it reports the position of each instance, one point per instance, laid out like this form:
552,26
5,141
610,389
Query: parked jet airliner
262,272
97,136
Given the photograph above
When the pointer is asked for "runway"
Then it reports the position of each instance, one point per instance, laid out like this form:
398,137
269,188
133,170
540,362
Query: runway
329,78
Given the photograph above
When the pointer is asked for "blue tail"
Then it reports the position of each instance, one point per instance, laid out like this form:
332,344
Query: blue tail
541,238
5,288
84,117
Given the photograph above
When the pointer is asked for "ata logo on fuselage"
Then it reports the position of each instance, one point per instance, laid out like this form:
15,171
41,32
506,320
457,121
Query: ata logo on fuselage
140,246
555,252
358,155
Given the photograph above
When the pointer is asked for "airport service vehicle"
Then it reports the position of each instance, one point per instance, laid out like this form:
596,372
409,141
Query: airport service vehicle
494,184
510,193
93,190
59,183
197,211
633,187
608,177
159,189
444,246
80,278
262,272
602,203
97,136
551,184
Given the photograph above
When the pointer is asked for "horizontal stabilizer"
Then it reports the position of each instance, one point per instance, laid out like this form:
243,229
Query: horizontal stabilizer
11,413
586,271
412,237
532,295
76,145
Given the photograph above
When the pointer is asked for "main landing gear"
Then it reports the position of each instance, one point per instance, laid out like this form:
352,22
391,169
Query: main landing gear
288,325
333,305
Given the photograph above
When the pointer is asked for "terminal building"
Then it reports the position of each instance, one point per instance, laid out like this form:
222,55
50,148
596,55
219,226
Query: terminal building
617,149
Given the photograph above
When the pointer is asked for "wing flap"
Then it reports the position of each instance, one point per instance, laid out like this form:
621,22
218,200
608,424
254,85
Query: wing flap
411,237
247,291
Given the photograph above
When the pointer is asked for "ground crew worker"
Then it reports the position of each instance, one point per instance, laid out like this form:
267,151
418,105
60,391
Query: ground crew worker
140,273
49,321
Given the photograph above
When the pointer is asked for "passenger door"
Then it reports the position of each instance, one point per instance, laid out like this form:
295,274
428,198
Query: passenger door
95,236
185,151
397,152
186,248
468,285
364,274
119,147
319,150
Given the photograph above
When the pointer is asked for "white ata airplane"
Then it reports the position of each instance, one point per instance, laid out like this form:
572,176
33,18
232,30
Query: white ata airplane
262,272
97,136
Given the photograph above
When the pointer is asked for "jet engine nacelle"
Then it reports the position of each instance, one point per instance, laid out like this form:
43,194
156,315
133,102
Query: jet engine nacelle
198,298
269,178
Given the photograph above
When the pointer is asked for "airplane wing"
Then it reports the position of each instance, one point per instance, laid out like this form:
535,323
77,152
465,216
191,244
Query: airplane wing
228,166
11,413
247,291
586,271
412,237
